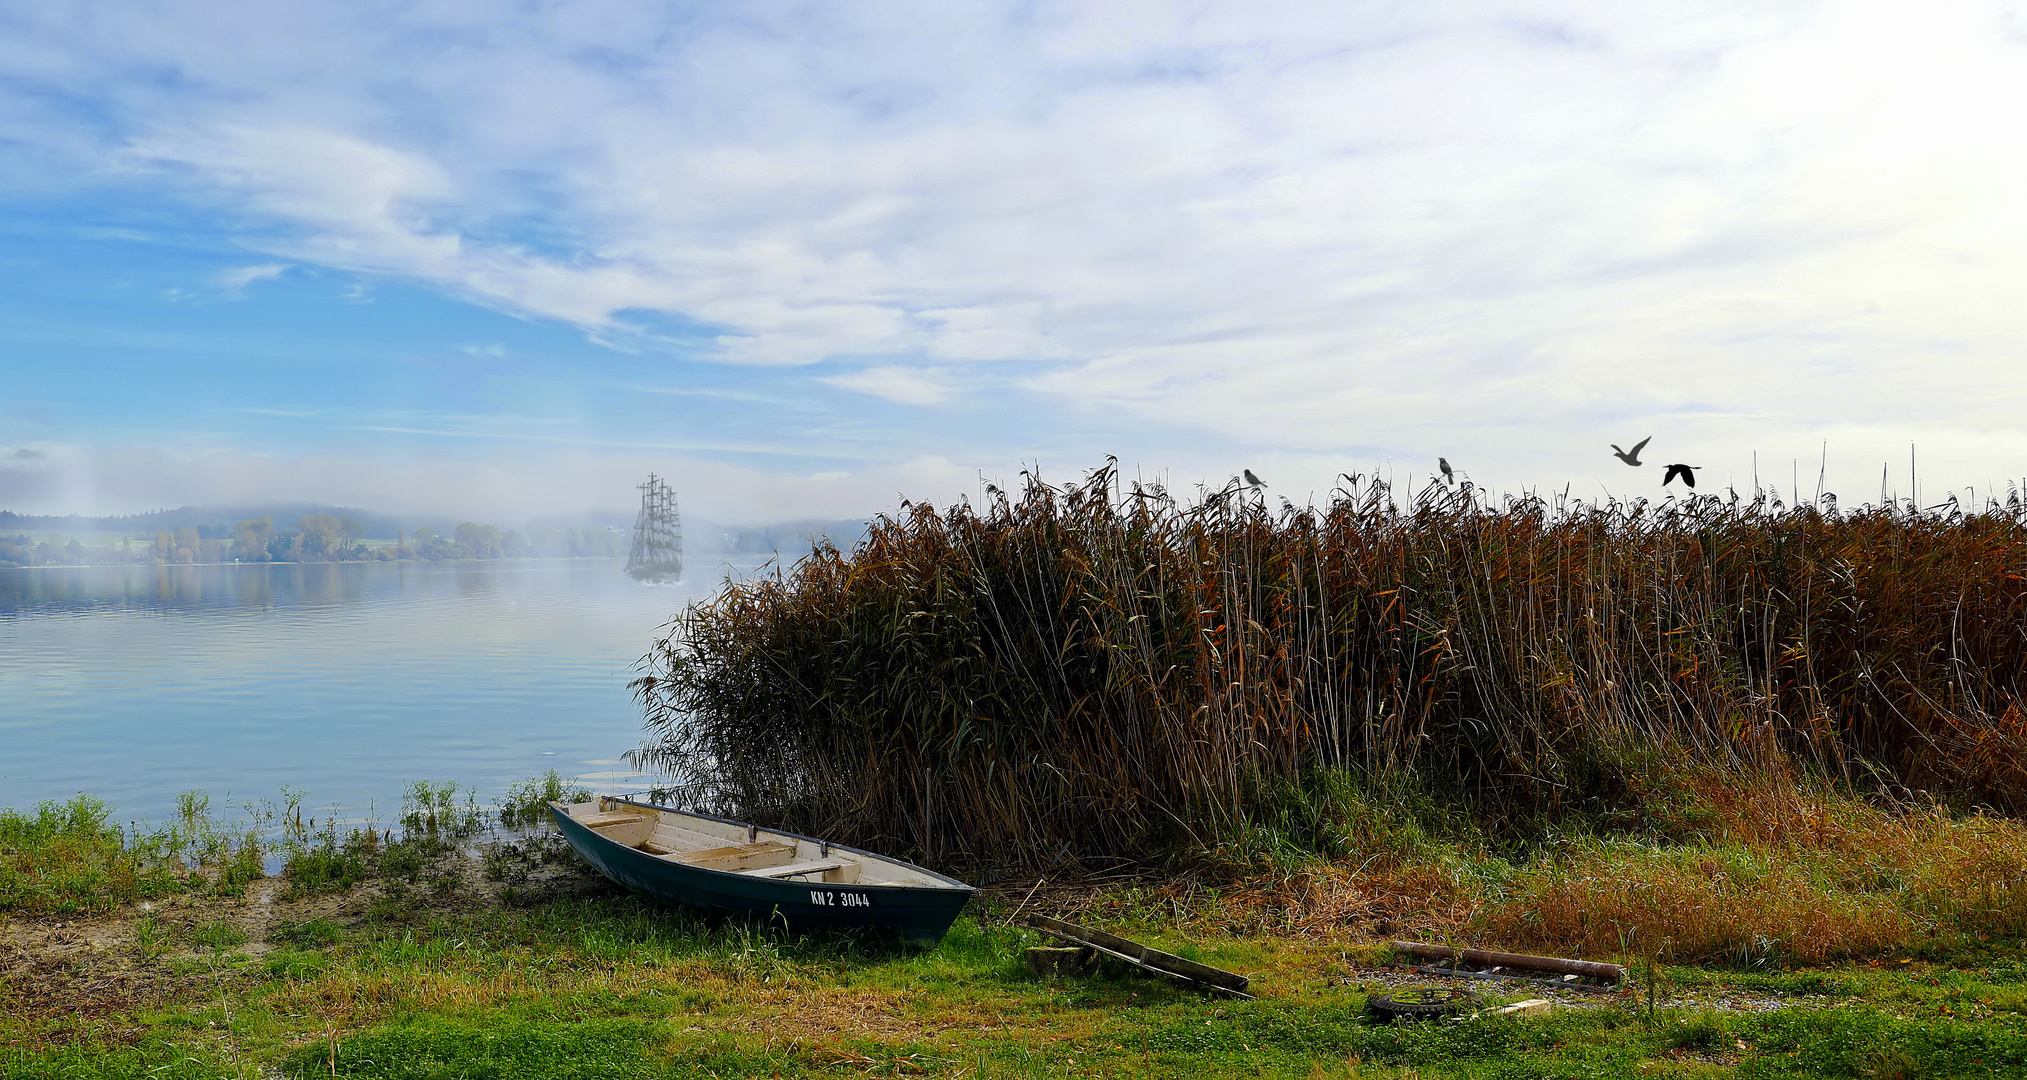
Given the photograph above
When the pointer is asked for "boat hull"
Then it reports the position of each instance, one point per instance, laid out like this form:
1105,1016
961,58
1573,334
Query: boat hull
913,913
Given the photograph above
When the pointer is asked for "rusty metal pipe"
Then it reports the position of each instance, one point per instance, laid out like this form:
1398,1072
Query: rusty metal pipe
1480,957
1540,984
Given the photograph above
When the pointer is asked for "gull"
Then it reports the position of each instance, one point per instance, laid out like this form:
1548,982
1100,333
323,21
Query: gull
1252,481
1632,457
1686,472
1449,474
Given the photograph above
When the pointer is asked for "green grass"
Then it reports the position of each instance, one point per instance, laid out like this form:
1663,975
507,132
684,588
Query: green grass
68,857
512,959
436,1049
613,987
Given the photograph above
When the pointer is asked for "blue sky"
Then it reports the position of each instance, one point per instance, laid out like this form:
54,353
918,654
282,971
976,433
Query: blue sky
501,260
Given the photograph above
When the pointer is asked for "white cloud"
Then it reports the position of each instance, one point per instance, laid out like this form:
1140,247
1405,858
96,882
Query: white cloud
1457,227
240,277
909,386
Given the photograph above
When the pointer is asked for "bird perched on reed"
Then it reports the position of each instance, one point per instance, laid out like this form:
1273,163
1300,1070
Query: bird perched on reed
1449,474
1686,472
1632,457
1253,483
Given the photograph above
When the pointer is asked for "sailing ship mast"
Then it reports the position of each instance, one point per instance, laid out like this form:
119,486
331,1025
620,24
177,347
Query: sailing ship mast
657,534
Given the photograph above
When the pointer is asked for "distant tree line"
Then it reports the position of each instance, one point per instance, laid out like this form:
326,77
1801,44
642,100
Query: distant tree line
316,538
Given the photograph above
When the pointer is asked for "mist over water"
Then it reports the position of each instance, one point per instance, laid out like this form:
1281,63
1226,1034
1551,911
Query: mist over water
342,680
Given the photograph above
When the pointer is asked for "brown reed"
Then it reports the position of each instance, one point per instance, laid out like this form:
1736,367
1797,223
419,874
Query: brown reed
1101,672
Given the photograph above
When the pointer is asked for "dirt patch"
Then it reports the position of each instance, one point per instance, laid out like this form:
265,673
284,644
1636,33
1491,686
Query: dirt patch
149,954
816,1014
82,971
86,971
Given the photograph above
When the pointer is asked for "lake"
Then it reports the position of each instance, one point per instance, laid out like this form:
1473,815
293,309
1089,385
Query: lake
342,680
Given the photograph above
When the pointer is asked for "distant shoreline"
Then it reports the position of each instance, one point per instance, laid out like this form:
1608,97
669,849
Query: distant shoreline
314,562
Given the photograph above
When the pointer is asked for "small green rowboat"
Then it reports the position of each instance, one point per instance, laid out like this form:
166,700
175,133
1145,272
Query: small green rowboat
722,866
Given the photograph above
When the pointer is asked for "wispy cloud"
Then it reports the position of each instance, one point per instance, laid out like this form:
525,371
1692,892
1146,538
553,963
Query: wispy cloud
718,393
1311,228
909,386
237,279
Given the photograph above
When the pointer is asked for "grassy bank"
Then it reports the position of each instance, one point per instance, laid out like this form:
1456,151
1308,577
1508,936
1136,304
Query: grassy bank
1812,935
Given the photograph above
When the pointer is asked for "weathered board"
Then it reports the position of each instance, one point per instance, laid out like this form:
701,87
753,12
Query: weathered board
1140,956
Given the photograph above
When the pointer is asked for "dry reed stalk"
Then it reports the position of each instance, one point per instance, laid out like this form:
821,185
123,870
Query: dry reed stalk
1090,673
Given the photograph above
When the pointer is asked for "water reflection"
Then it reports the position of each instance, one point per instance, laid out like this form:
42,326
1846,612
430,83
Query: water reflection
343,679
76,588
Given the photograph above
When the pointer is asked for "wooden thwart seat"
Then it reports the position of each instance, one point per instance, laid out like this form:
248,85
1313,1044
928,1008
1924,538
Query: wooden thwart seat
795,869
765,858
738,858
616,817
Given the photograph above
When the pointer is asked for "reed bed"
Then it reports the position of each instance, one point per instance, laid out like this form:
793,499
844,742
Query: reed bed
1103,672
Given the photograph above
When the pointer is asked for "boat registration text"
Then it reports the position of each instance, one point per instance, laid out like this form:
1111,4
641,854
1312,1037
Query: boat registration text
826,898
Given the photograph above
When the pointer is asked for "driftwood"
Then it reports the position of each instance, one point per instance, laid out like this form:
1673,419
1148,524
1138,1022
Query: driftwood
1140,956
1523,962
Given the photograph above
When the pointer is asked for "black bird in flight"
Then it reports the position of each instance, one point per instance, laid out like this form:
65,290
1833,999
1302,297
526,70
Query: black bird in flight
1449,475
1686,472
1252,481
1632,457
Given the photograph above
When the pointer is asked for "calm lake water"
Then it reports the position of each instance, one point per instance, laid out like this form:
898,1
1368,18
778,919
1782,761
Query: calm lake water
342,680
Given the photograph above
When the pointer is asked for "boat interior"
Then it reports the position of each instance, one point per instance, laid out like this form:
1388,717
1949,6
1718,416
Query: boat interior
737,849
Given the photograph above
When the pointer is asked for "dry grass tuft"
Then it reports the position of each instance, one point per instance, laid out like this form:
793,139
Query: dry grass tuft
1705,905
1754,866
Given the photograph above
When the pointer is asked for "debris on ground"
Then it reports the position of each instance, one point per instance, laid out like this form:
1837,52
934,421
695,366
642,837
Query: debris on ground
1494,961
1419,1003
1496,967
1140,956
1051,962
1530,1007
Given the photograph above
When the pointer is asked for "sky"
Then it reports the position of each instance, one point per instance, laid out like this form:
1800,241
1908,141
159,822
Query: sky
810,259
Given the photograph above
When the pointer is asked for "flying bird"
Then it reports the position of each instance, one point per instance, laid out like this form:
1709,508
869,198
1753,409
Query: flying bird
1632,457
1252,481
1449,474
1686,472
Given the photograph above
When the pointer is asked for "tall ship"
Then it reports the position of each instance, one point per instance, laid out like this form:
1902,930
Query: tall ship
657,534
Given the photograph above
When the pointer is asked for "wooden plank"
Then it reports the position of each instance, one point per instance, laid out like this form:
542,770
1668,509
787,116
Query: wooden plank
615,817
716,853
677,838
794,869
739,857
1141,956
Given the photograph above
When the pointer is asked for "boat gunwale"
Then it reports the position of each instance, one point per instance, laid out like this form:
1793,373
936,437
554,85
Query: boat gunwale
950,883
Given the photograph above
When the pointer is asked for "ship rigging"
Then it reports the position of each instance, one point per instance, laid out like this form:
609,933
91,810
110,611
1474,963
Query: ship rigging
657,534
